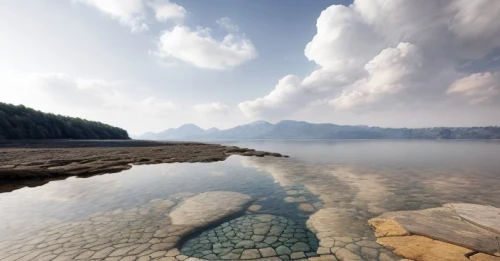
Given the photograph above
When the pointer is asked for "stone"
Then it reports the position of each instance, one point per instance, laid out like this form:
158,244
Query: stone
122,251
327,242
300,247
210,257
255,208
267,252
486,217
369,252
344,254
257,238
295,199
446,225
206,208
297,255
250,254
85,255
245,244
387,228
231,256
103,253
306,207
270,239
427,249
161,246
323,250
329,222
367,243
283,250
388,257
173,252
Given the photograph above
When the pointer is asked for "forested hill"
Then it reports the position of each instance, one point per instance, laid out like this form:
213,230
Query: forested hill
20,122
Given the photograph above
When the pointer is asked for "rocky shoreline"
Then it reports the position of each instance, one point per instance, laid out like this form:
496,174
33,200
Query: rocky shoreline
37,162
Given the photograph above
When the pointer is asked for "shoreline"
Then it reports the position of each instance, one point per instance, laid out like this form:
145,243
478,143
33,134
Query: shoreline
38,162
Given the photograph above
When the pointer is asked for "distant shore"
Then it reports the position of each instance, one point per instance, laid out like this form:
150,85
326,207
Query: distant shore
35,162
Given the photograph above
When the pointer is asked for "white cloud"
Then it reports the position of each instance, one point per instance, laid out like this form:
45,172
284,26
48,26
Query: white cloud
227,24
376,54
390,72
130,13
93,99
214,108
288,93
478,87
134,13
165,11
92,93
199,48
194,46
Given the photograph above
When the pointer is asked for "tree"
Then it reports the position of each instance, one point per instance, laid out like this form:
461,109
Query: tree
20,122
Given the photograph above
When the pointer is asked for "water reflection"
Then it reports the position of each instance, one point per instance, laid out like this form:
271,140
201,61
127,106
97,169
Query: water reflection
334,187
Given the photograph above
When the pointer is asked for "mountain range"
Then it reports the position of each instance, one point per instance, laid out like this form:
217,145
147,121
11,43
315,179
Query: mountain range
288,129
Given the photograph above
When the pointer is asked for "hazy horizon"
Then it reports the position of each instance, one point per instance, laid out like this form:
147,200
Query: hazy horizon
150,65
275,122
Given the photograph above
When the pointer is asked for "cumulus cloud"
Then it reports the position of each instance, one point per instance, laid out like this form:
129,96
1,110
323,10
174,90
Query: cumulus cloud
479,88
213,108
287,94
165,11
376,54
64,91
227,24
195,46
67,90
131,13
200,49
134,13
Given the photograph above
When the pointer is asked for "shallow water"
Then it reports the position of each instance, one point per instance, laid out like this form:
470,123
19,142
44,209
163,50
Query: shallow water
349,182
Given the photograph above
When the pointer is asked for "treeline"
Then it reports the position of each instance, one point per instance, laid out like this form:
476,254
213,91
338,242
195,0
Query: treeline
20,122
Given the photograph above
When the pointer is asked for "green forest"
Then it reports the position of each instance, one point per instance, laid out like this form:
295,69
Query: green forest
20,122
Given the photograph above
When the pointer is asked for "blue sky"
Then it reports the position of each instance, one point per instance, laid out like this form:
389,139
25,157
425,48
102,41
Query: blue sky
147,65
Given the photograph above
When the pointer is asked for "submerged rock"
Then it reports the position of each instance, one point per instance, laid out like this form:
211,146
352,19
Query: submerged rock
206,208
455,231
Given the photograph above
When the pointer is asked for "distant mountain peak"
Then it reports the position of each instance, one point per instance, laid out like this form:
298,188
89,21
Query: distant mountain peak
259,122
189,125
292,121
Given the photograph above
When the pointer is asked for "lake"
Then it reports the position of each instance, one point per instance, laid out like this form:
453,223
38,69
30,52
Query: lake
348,182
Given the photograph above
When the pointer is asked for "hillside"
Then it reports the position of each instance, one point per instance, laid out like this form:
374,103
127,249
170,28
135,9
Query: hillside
20,122
304,130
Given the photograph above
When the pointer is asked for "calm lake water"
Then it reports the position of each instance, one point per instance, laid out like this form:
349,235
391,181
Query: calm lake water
356,179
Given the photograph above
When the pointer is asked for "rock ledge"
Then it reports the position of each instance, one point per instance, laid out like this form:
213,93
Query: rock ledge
455,231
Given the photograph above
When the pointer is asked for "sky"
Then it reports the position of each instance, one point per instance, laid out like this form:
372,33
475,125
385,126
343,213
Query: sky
149,65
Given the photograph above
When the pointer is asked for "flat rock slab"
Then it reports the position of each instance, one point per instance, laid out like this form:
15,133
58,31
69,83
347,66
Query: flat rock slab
487,217
453,223
206,208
